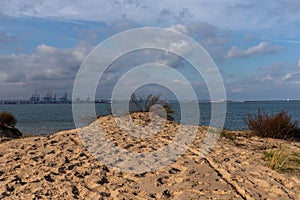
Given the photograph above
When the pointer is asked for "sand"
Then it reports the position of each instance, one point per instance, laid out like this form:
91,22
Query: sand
60,167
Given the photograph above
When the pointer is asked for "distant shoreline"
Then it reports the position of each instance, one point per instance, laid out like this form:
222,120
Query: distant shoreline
10,102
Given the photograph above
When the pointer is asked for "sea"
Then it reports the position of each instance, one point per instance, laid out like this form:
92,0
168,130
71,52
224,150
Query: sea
44,119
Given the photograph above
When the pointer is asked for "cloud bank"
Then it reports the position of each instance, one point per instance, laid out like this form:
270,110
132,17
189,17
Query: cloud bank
230,14
42,43
47,68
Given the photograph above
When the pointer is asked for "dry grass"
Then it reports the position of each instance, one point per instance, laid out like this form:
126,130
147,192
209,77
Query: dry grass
277,125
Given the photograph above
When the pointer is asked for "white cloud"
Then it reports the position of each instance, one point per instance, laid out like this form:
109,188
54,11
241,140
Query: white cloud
238,90
291,77
263,48
287,76
180,28
279,73
277,81
182,82
298,63
212,70
211,38
179,46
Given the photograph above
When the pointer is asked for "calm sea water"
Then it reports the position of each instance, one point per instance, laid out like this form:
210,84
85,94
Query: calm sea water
51,118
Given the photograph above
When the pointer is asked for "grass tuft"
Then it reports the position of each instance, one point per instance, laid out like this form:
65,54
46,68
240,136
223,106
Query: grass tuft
228,135
276,159
148,103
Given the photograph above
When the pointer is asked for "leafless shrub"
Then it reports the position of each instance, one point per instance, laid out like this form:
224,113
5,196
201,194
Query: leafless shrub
277,125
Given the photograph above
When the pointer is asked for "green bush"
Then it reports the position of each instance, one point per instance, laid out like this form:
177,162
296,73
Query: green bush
8,119
144,105
277,125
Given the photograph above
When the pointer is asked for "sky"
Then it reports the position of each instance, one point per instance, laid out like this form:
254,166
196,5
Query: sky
254,44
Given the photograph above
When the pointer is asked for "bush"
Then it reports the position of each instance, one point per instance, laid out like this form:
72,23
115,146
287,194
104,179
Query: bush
277,126
8,119
144,105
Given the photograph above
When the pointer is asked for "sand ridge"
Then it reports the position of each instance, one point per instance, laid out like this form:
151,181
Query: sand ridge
60,167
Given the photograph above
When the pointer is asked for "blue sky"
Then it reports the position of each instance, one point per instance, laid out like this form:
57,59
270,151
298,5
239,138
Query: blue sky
256,45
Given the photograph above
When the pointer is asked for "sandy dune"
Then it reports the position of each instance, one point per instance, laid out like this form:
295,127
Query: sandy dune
60,167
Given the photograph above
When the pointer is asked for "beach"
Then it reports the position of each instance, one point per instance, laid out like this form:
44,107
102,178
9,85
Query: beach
59,166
